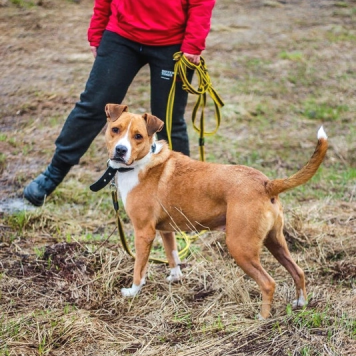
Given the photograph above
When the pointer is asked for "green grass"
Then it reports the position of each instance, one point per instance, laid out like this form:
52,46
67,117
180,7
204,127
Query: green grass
303,74
39,252
2,161
340,34
23,3
341,4
323,111
18,220
295,56
326,319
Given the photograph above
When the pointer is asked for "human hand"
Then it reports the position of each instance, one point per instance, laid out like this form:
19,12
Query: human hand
193,58
93,50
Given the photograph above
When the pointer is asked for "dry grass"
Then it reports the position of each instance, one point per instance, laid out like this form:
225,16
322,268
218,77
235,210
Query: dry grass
283,69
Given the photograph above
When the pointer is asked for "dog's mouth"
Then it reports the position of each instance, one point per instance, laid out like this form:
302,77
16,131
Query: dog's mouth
118,159
121,160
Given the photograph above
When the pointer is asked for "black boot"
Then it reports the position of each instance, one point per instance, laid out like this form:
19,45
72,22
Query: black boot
44,184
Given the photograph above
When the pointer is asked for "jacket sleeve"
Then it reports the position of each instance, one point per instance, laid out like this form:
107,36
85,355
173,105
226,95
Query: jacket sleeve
198,26
98,22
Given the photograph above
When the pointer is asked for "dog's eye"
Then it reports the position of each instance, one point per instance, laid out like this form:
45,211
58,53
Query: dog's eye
138,137
115,130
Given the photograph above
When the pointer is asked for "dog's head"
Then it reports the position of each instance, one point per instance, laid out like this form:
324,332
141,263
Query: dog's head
129,137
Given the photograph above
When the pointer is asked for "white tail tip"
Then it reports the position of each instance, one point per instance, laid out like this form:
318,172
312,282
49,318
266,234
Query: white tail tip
322,134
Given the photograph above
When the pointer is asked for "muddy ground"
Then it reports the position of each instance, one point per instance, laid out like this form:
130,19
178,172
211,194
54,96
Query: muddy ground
283,69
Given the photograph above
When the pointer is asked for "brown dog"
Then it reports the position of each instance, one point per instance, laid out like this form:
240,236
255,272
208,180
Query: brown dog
167,191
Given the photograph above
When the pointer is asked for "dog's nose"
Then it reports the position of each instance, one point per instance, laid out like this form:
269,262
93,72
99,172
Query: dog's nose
121,150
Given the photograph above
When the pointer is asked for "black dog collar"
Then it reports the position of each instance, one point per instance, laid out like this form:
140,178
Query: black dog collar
107,177
110,174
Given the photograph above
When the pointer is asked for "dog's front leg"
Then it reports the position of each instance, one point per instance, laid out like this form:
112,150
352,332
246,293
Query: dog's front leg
170,246
143,244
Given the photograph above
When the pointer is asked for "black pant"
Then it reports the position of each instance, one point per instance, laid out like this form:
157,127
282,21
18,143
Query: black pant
117,63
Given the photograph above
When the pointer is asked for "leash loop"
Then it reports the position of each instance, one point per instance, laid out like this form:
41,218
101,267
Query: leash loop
204,87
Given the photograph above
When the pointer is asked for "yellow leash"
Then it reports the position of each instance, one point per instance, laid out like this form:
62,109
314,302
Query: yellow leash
204,87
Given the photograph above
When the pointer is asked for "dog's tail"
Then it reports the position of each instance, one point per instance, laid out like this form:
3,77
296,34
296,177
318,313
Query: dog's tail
274,187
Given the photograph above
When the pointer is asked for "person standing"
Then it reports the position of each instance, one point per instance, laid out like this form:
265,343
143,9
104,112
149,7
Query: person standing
124,36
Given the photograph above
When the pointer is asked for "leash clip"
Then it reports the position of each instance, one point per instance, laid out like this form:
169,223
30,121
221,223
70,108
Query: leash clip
113,185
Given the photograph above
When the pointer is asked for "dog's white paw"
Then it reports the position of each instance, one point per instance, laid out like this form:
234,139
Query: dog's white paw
260,317
130,292
133,291
300,302
175,275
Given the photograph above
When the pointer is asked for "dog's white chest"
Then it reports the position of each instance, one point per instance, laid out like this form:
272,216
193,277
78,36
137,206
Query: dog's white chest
126,182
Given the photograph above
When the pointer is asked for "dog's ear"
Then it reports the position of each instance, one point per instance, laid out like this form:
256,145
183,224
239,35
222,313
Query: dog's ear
154,124
114,111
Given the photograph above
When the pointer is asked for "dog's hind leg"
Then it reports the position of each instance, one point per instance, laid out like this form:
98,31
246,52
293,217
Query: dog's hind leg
244,246
143,244
170,246
276,244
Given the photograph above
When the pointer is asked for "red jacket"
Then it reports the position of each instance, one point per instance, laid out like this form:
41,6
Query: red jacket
154,22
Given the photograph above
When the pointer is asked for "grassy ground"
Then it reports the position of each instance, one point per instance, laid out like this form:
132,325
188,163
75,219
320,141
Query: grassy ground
283,69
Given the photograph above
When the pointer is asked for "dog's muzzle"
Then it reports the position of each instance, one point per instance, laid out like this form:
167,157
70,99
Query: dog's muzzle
120,152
